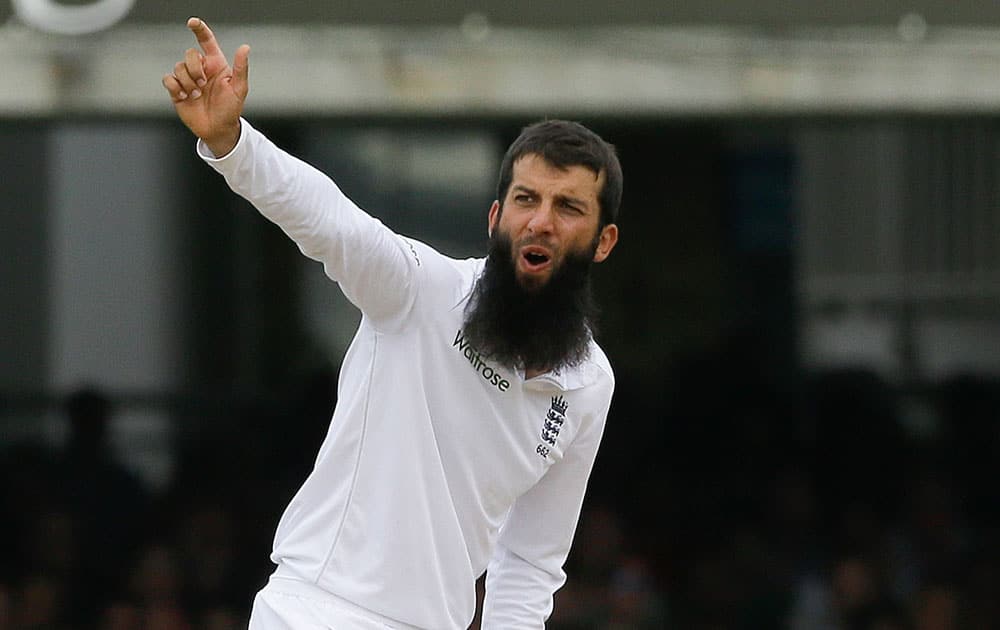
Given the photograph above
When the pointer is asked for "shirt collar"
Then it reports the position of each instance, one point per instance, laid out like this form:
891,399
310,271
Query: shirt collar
565,379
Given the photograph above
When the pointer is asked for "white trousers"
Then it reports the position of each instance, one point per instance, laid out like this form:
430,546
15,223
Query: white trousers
288,604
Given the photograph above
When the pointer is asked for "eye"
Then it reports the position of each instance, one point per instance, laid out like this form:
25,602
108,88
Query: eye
571,207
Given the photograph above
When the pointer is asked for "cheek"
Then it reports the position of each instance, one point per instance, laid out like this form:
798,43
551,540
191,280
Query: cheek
504,224
587,239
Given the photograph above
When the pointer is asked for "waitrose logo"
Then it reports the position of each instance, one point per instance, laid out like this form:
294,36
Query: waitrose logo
486,371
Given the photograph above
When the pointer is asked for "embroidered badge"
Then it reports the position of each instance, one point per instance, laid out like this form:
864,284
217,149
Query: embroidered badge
555,417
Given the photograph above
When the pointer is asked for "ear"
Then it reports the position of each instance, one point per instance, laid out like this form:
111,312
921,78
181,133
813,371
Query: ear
494,217
606,242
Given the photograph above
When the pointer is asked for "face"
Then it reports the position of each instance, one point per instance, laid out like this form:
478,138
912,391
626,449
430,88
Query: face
548,213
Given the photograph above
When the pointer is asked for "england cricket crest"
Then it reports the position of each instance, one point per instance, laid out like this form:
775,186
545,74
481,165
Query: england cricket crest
555,417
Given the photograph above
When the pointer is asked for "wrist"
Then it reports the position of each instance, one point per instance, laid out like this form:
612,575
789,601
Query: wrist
223,142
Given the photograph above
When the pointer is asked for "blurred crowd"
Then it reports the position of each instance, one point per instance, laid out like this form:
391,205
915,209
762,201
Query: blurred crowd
87,545
733,505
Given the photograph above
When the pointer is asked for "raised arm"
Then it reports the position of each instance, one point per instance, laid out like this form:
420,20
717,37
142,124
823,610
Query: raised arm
374,266
207,92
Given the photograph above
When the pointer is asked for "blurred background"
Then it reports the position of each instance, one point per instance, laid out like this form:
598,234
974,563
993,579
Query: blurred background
803,314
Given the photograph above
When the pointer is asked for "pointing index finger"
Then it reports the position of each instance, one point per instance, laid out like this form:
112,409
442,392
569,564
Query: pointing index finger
206,39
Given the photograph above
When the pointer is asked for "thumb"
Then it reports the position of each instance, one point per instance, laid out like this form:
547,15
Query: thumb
241,71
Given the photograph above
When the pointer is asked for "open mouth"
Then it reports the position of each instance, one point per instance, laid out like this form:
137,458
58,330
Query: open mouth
535,258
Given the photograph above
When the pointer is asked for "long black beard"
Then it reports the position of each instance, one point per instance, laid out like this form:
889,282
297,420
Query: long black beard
544,328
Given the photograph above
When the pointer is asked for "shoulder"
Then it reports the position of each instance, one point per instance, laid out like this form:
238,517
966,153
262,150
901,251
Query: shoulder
593,379
601,362
603,376
444,278
592,387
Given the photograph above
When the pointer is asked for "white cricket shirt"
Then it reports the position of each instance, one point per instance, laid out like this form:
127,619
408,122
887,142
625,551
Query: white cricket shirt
438,462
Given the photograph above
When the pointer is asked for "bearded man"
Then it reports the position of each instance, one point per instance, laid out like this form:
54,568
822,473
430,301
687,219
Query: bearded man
472,399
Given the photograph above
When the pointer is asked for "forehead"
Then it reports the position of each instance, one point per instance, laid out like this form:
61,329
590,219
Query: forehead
538,174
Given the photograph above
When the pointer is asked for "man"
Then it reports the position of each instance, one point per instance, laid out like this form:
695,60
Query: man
472,399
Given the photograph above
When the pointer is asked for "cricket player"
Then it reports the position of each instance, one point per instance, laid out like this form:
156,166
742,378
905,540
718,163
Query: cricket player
472,399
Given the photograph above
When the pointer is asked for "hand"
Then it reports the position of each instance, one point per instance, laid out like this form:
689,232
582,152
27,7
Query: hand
207,93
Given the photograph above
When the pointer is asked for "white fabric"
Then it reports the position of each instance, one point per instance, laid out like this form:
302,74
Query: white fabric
285,604
431,447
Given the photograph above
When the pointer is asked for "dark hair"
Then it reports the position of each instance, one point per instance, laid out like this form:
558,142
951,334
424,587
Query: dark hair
563,144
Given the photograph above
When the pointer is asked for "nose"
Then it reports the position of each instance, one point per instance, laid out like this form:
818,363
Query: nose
541,219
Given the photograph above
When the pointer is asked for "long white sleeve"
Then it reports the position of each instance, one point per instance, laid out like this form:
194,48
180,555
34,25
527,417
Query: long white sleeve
526,567
373,265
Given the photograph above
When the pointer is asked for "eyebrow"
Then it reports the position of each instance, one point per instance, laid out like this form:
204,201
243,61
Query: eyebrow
571,200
